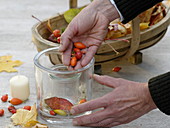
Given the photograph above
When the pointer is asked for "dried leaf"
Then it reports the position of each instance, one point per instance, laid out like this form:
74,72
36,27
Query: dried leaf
58,103
24,117
6,64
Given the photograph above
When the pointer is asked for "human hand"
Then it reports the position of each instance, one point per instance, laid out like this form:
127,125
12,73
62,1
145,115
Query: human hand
128,101
89,27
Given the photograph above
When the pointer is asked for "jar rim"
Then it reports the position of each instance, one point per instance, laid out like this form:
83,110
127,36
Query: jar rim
37,64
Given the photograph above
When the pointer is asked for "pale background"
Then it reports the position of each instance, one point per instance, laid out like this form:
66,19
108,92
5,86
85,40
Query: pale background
15,39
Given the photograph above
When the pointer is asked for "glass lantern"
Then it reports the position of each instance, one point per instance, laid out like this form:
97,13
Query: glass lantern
59,89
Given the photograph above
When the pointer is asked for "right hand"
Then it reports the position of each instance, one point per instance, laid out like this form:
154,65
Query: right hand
89,27
128,101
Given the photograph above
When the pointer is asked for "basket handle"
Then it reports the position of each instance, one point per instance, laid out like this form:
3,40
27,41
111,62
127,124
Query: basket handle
73,3
135,41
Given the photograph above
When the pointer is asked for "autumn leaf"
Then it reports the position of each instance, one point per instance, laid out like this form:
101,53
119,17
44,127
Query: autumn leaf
7,65
71,13
58,103
24,117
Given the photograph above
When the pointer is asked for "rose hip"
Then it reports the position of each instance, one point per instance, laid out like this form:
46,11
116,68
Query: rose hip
56,33
73,61
76,50
52,112
1,112
15,101
27,108
4,98
78,55
13,111
116,69
82,101
11,108
79,45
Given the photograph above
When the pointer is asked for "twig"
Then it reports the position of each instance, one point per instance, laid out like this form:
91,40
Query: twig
43,24
117,53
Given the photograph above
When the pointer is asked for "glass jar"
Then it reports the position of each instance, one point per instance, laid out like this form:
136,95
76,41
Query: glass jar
58,89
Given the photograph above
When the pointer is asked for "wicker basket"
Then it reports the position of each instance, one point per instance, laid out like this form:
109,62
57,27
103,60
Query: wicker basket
138,39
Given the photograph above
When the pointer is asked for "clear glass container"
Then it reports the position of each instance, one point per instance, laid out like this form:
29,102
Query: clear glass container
59,88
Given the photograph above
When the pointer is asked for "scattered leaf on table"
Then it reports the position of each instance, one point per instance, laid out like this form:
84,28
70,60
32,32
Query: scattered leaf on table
71,13
24,117
6,64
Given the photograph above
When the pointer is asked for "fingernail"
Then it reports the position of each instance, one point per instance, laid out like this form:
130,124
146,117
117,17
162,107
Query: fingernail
75,122
72,111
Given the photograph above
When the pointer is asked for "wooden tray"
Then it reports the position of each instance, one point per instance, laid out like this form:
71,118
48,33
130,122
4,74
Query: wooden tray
138,40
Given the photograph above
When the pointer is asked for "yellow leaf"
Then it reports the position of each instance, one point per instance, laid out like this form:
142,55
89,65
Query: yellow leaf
6,64
24,117
31,123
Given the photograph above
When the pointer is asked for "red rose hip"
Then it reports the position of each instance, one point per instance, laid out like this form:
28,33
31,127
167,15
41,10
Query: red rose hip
4,98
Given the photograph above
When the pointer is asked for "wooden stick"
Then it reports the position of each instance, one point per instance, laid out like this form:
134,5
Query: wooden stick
73,3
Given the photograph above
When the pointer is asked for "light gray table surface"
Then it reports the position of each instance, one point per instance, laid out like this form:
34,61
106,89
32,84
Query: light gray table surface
15,39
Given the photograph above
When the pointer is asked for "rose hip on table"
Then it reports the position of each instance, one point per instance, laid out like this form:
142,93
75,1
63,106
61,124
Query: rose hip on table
4,98
116,69
15,101
27,108
12,109
1,112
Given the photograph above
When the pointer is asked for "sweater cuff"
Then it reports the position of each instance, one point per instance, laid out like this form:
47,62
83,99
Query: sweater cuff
131,8
159,88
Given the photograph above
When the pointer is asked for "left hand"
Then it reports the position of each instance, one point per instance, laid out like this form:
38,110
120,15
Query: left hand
128,101
90,27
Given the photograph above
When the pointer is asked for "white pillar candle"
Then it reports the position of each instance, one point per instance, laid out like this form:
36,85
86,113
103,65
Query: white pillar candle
19,87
